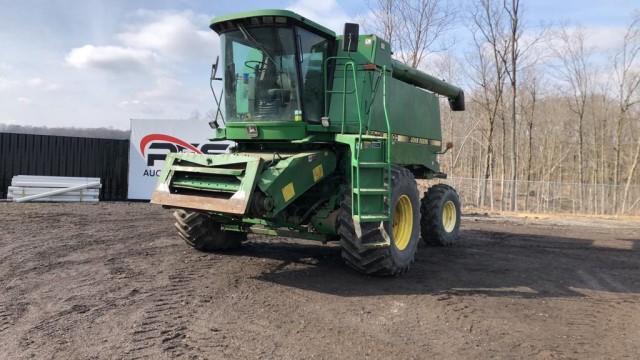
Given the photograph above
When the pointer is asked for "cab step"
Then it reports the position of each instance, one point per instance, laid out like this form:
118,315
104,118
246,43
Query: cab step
373,164
371,217
370,191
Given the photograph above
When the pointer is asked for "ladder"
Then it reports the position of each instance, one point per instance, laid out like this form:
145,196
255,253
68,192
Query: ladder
370,156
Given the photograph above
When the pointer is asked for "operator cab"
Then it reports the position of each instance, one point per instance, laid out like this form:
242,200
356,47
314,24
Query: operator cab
272,61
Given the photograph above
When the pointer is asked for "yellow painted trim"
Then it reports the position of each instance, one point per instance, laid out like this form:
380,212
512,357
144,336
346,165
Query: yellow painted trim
449,216
402,222
408,139
288,192
318,173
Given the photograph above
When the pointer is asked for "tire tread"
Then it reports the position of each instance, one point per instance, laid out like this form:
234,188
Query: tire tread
201,232
431,221
354,253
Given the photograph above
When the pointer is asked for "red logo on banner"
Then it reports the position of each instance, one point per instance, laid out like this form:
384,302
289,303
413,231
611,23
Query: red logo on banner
166,138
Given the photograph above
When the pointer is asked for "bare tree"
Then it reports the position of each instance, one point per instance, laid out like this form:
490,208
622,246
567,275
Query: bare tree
632,169
531,88
513,10
512,58
544,114
413,27
385,18
576,71
625,65
489,75
448,66
422,24
627,74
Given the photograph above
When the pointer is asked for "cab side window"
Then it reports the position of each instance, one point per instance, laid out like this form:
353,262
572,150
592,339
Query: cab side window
314,49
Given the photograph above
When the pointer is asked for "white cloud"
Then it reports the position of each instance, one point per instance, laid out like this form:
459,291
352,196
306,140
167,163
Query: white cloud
169,45
32,83
6,83
35,82
604,38
596,38
40,83
115,58
153,38
326,13
168,97
165,89
154,64
176,35
134,102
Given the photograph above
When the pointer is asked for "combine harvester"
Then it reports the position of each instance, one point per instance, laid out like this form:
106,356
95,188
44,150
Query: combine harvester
331,134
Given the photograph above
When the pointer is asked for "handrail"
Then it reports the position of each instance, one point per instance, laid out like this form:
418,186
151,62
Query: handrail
389,135
350,65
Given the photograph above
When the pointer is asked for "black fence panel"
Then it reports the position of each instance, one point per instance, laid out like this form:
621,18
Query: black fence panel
45,155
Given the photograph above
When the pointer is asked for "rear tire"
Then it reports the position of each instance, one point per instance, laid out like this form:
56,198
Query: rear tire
396,258
440,223
201,232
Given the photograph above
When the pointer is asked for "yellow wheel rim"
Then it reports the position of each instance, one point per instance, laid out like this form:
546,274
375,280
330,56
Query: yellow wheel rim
402,222
449,216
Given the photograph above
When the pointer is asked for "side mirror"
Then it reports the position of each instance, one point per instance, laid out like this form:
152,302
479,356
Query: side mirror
214,70
350,37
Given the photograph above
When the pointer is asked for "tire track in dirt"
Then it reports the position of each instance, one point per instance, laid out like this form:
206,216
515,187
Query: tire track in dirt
92,293
10,313
113,281
588,324
57,326
165,328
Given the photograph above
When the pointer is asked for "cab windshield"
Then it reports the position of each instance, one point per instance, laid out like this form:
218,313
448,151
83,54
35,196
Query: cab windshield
260,74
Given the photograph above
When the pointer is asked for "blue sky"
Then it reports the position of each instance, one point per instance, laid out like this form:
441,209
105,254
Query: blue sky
99,63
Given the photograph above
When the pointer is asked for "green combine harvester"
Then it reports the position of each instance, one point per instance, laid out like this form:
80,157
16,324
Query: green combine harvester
330,134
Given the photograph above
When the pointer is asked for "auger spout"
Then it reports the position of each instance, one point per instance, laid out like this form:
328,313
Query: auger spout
425,81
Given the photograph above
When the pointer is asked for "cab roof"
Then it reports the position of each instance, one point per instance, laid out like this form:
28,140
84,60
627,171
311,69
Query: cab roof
217,24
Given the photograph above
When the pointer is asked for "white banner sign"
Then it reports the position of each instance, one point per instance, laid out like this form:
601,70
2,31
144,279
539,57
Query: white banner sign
152,140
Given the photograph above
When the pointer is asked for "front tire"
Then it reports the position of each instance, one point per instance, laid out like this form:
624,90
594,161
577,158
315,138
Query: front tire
203,233
440,223
404,231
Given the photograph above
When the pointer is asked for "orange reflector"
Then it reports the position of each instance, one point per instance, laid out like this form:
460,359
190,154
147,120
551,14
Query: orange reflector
369,66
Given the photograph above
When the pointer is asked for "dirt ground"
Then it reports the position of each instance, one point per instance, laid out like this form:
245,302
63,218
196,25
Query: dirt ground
111,281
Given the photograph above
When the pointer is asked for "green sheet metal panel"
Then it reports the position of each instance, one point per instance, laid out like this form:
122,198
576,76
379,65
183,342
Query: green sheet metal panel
412,111
404,153
265,130
293,176
374,50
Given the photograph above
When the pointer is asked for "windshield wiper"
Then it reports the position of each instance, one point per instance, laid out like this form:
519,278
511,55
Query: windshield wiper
250,38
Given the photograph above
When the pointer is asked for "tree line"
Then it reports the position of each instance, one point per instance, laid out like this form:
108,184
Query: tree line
100,132
543,105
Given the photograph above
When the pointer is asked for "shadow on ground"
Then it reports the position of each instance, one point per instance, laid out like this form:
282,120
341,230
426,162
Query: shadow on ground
485,263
